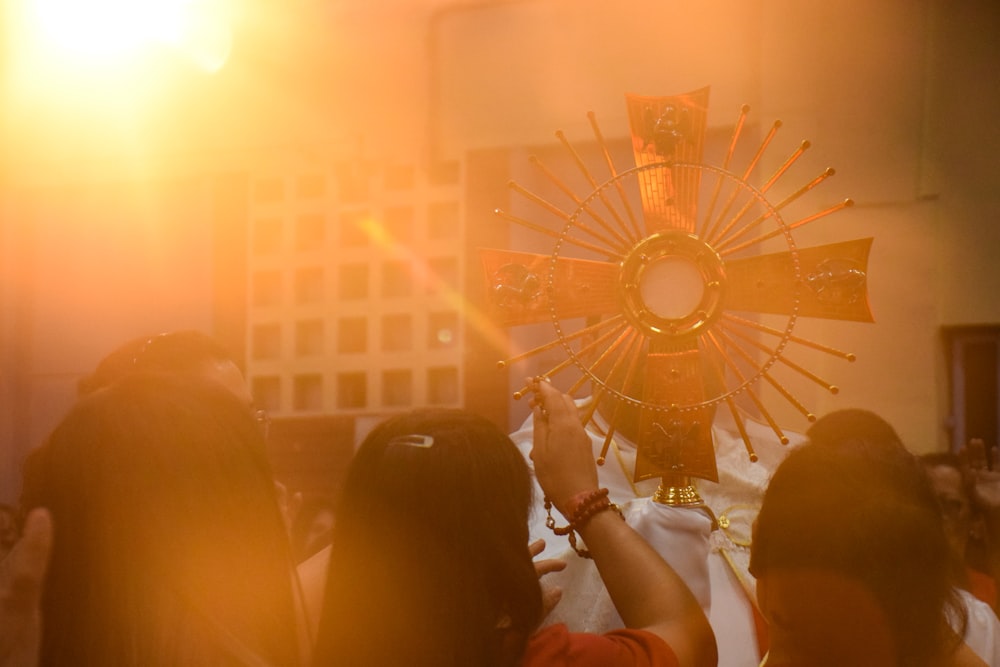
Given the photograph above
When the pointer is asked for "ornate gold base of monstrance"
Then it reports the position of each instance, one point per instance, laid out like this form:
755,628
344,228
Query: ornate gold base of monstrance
677,492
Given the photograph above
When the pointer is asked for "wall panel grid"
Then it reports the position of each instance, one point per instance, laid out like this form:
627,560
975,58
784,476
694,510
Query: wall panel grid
354,303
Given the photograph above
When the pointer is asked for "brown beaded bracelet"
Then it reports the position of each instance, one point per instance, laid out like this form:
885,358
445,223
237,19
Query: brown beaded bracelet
584,507
584,514
587,506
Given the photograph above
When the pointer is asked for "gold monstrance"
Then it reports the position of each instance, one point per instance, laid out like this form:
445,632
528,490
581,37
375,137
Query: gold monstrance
657,281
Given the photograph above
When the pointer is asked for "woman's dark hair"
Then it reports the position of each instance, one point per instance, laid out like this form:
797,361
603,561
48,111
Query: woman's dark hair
860,507
866,430
429,564
169,545
182,351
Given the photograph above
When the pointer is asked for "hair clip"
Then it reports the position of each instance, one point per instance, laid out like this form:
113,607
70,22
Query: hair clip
413,440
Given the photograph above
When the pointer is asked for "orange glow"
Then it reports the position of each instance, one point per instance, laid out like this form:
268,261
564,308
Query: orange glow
424,276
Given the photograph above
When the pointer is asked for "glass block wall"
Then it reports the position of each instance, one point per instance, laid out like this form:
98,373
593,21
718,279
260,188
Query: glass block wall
354,287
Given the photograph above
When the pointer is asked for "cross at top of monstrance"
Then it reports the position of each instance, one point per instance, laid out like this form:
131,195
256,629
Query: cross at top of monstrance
662,293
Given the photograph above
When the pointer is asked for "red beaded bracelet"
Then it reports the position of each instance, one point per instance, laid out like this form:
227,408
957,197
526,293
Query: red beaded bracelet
580,503
581,509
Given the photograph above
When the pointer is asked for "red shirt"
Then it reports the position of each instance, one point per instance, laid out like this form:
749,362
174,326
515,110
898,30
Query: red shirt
555,646
982,586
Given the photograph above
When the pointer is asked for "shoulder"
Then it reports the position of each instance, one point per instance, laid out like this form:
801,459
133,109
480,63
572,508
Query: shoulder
555,645
982,585
982,630
965,657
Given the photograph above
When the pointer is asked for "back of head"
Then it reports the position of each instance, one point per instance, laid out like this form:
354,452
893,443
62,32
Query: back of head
864,428
182,351
170,547
849,546
430,563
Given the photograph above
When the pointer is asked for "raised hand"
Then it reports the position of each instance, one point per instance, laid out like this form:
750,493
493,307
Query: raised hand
561,449
987,481
974,454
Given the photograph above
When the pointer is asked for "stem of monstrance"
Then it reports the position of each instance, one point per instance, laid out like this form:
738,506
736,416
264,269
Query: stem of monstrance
677,491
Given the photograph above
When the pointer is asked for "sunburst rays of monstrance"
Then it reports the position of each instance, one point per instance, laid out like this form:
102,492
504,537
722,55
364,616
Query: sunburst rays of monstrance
657,283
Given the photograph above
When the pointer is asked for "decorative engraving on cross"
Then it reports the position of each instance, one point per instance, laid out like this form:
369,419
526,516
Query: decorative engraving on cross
514,285
838,281
671,127
666,444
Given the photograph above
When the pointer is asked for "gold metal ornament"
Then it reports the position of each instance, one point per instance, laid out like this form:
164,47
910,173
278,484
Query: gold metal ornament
668,265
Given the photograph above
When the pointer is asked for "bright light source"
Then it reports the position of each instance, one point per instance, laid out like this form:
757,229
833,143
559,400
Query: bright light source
100,31
97,29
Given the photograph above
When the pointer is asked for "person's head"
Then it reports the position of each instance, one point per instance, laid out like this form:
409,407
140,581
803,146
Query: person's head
955,489
864,428
187,351
169,544
429,564
850,554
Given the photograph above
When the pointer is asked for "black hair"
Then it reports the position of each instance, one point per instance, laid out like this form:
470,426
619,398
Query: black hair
856,504
429,564
183,351
169,544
